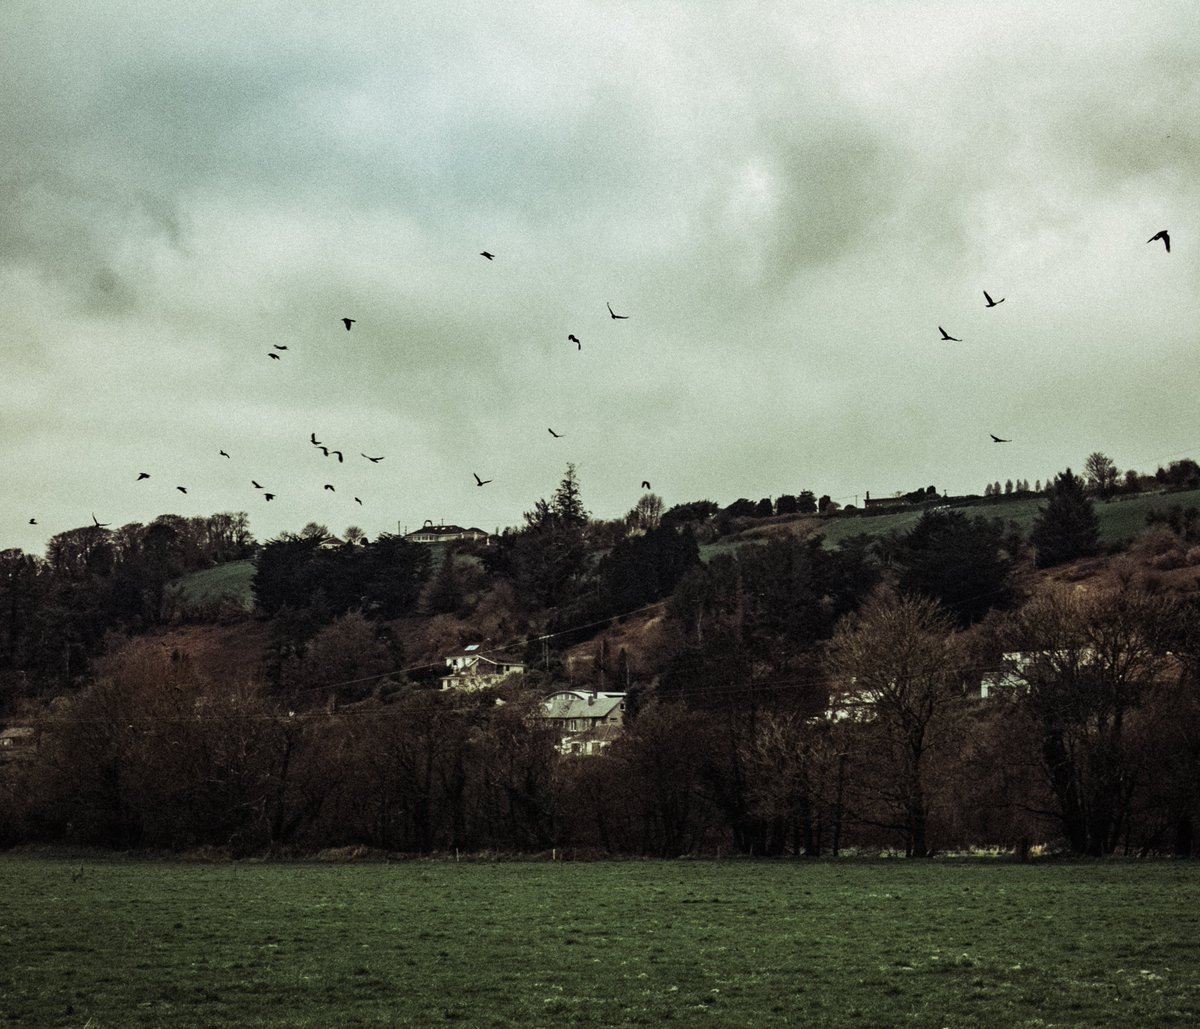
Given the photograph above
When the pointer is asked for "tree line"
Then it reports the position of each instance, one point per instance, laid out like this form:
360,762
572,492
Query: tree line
1089,739
795,698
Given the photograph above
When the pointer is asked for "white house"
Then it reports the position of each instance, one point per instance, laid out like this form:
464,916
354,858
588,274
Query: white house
470,669
430,533
587,720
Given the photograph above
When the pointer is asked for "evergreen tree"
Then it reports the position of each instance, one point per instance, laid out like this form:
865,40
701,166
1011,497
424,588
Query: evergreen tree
445,593
1067,527
965,564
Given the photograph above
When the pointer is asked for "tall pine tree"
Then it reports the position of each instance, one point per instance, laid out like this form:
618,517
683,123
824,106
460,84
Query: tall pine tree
1067,527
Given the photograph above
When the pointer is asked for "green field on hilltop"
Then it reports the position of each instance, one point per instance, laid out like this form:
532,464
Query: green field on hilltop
118,944
208,587
1123,518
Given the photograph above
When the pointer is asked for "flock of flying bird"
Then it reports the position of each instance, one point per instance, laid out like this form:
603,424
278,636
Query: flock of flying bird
1162,234
328,451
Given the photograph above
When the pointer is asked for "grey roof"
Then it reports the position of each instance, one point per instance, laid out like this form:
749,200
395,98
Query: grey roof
575,704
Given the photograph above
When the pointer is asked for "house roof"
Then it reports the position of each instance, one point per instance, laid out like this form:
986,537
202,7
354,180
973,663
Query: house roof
446,530
17,732
581,704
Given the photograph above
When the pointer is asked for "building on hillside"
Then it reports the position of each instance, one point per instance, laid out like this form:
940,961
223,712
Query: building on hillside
17,743
335,543
587,721
471,669
430,533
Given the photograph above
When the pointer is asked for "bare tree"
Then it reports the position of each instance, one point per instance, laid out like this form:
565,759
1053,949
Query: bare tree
1101,474
647,513
1089,665
896,663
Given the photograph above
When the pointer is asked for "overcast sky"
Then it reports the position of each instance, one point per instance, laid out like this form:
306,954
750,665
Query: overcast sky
786,199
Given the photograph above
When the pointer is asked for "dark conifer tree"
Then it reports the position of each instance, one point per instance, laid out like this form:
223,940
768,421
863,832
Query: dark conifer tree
1067,527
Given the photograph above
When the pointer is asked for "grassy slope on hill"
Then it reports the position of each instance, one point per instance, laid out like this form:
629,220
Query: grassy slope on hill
212,584
836,944
1120,519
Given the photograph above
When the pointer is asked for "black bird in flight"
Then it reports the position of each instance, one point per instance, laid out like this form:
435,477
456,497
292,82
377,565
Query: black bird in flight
645,484
143,475
268,496
373,460
997,439
315,442
575,339
358,502
479,481
324,449
484,253
990,301
946,335
338,452
99,525
182,489
619,317
255,484
330,488
1164,236
222,453
274,357
33,521
348,322
556,435
278,347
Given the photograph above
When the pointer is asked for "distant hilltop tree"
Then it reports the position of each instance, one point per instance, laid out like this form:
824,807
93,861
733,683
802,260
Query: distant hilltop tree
1101,474
1183,474
1067,527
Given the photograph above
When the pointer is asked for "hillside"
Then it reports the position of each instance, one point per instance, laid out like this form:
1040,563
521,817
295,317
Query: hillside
1121,519
205,590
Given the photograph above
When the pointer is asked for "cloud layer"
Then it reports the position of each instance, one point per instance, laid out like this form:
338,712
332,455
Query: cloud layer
787,203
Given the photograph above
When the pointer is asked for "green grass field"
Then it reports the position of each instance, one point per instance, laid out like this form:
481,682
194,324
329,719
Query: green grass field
872,944
1120,519
209,586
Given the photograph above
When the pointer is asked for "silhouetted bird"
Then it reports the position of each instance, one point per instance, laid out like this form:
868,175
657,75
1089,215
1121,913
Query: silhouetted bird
990,301
33,521
575,340
617,316
339,454
479,481
255,484
274,357
315,442
222,453
1164,236
373,460
348,322
946,335
997,439
99,525
268,496
324,449
358,502
143,475
278,347
556,435
484,253
182,489
330,488
645,484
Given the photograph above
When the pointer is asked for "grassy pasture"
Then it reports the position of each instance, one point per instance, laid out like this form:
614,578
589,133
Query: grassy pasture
210,585
873,944
1123,518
